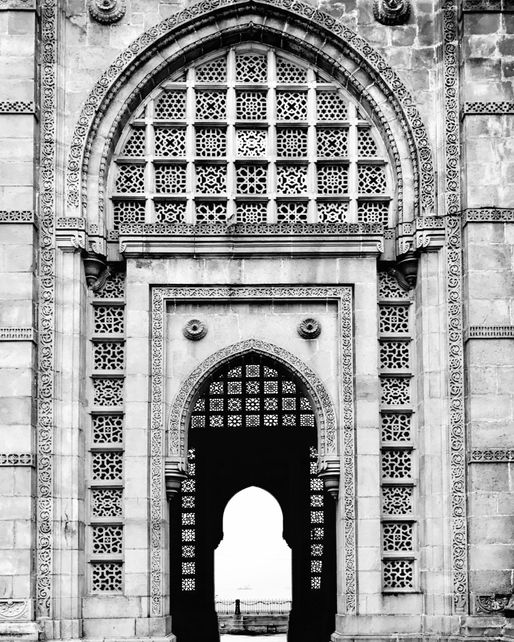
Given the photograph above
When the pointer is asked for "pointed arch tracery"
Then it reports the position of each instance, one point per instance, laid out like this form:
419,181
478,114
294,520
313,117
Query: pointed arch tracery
313,389
360,69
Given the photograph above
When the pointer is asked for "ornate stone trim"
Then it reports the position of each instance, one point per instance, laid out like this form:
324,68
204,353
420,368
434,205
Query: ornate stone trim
491,332
17,334
491,456
214,229
488,108
17,459
391,12
452,207
107,11
16,106
495,603
457,430
17,4
486,5
45,409
146,45
343,295
14,609
17,216
488,215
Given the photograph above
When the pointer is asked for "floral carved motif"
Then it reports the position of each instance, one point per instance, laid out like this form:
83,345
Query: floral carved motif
195,330
13,609
309,329
107,11
391,12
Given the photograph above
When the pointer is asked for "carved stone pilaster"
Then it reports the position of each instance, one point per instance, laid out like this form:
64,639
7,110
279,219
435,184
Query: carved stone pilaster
391,12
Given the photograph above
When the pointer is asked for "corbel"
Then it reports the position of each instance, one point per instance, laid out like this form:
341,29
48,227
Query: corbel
329,471
174,475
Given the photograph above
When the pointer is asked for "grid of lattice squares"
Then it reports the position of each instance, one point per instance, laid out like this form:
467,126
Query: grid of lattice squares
317,521
240,112
188,525
105,540
253,396
397,425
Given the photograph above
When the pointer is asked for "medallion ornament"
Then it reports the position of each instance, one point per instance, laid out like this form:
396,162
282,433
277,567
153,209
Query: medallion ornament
391,12
309,329
107,11
195,330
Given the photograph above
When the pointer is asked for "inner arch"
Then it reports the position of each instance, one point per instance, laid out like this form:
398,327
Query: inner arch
253,560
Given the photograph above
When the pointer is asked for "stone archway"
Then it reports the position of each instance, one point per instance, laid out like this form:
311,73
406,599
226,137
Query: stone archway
252,423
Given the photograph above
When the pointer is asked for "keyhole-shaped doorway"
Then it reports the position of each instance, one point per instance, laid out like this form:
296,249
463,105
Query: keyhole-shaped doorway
253,561
252,425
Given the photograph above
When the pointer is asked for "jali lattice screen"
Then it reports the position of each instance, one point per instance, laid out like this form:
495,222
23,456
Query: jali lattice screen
397,430
106,437
250,136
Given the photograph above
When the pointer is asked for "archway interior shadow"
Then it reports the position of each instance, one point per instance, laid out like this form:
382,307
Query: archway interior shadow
269,446
253,562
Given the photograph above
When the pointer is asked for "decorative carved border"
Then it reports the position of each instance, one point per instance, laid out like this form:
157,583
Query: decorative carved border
17,334
146,45
14,609
17,4
16,106
485,5
488,108
45,410
217,229
452,201
488,215
18,459
491,456
343,295
17,216
491,332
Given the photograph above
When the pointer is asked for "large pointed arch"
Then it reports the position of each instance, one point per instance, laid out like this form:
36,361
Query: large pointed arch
294,26
314,388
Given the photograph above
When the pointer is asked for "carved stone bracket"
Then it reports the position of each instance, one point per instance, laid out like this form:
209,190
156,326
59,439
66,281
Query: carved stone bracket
107,11
329,471
391,12
174,475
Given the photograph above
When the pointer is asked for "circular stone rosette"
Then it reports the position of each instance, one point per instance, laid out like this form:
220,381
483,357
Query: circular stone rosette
195,330
107,11
391,12
309,329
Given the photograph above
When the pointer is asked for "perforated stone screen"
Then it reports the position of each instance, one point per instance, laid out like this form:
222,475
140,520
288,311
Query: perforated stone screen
250,136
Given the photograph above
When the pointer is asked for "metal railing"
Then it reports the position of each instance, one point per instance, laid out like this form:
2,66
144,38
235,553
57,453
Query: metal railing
253,607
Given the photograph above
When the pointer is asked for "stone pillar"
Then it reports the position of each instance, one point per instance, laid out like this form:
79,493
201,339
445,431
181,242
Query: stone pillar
17,332
69,478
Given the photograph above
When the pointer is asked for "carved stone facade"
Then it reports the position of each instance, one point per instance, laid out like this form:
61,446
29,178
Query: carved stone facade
314,206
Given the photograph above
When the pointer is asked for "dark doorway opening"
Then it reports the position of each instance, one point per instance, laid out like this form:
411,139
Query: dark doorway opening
252,424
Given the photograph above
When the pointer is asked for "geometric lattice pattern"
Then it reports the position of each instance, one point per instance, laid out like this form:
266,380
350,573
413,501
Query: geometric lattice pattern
106,436
397,422
190,158
317,521
188,506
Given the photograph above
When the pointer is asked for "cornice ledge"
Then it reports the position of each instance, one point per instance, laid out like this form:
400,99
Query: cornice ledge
18,216
24,5
491,456
296,238
488,215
